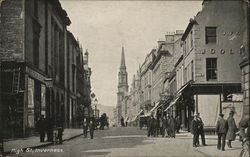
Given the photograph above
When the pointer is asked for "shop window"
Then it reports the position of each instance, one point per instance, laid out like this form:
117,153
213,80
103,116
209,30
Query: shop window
211,68
210,35
31,106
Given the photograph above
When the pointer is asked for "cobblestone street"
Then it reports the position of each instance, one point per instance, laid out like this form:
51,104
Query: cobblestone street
133,142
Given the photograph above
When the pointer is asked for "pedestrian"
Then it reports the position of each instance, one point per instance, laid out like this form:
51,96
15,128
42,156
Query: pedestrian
232,129
41,128
122,122
149,125
221,130
60,129
172,127
85,127
91,128
154,126
164,125
201,130
177,124
194,130
167,125
161,126
49,128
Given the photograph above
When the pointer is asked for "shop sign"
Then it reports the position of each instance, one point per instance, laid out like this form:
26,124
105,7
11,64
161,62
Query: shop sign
35,74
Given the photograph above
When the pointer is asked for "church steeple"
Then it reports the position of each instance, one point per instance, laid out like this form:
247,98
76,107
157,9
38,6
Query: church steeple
122,85
123,64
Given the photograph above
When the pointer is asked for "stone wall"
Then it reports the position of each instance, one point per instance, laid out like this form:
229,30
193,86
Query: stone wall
12,30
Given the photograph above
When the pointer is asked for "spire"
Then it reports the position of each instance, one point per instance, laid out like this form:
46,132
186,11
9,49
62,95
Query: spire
123,65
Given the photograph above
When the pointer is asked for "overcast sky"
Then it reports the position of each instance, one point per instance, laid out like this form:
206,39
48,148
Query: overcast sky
103,26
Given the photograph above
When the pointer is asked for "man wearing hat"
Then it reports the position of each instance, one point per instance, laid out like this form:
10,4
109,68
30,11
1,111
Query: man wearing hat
232,129
201,130
221,130
194,130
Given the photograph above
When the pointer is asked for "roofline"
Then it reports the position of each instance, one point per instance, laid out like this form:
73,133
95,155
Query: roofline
189,27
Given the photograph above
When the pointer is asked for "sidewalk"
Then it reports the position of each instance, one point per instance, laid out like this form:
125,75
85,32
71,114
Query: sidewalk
34,141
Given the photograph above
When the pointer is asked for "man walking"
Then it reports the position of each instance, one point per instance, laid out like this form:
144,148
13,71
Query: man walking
221,129
232,129
201,130
91,128
85,127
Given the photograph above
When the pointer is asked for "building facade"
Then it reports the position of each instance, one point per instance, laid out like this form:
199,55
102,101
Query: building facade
35,64
206,78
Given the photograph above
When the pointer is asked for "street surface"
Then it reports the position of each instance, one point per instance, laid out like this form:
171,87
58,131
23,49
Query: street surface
132,142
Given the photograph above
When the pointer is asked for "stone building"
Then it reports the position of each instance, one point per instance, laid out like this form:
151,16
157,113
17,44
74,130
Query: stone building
35,68
208,73
162,65
146,82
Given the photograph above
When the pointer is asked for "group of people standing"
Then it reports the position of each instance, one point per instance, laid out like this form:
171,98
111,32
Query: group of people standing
197,129
165,126
47,126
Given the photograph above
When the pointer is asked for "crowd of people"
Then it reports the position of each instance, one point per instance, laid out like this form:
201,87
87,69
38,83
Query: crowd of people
166,126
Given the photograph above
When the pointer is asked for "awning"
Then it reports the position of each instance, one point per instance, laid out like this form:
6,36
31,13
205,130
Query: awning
137,115
182,88
173,102
154,108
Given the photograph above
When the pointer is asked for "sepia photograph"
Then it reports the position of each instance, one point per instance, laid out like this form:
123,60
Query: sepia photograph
124,78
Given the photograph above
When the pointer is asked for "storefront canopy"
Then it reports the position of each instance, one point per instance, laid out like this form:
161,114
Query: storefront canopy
157,105
173,102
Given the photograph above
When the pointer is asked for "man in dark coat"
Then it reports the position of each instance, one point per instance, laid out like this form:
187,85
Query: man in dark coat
91,128
154,126
194,130
60,129
232,129
41,126
85,127
49,128
149,125
122,122
221,129
177,124
164,125
172,127
201,130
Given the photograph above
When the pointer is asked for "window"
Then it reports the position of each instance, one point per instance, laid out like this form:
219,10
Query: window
210,35
211,68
